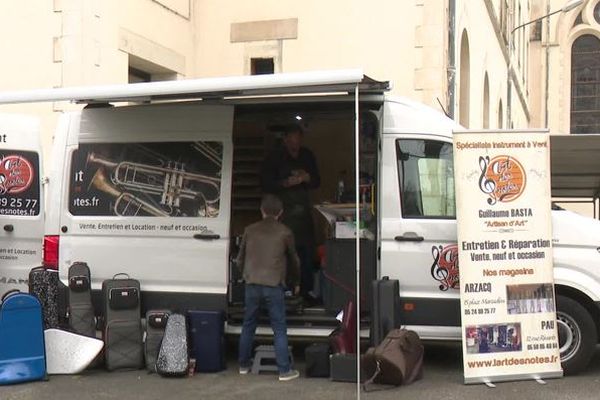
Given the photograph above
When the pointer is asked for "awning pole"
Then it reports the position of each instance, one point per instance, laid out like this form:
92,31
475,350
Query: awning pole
357,232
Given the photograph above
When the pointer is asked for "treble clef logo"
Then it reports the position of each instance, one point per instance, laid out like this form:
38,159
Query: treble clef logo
486,185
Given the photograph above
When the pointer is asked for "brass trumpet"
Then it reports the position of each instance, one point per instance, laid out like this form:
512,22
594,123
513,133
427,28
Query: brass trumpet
126,204
170,182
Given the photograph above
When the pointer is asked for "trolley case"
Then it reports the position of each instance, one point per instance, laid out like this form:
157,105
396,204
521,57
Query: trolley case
385,309
156,322
81,311
22,349
173,357
123,342
43,284
317,360
207,340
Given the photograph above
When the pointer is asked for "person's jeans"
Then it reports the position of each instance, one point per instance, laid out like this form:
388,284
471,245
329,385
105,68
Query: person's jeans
274,299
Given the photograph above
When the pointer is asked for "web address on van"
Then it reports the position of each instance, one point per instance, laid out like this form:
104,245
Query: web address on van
513,361
15,211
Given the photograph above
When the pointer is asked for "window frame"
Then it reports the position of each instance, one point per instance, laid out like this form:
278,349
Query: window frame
400,187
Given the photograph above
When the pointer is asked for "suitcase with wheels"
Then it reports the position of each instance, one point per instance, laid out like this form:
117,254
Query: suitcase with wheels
81,310
385,309
43,284
173,359
22,349
123,343
317,360
156,322
207,335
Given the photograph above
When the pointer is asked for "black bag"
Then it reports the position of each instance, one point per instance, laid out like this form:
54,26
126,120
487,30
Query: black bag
173,359
317,360
44,284
397,360
156,322
81,311
385,310
123,343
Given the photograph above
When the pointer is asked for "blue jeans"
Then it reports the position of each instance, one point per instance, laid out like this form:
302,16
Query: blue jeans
274,298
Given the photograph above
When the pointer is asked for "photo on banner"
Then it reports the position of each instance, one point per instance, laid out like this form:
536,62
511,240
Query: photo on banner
504,229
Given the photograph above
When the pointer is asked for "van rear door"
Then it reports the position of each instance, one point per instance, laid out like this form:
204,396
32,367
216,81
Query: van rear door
21,208
148,194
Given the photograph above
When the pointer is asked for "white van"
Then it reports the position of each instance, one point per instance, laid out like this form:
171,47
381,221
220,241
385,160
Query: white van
161,190
21,200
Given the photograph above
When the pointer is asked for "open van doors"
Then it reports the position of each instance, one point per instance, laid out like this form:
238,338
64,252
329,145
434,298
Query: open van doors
147,192
21,200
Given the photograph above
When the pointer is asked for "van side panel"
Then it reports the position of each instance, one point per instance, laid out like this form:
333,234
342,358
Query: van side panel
21,200
147,192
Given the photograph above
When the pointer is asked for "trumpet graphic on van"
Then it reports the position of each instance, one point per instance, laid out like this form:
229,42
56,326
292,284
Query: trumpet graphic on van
147,183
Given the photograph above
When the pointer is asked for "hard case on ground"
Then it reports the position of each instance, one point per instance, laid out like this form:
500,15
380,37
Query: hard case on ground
43,284
385,310
343,368
317,360
123,343
22,349
173,357
340,273
81,310
156,323
207,340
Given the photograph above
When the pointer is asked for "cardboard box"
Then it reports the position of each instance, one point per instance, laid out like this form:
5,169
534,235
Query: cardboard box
346,230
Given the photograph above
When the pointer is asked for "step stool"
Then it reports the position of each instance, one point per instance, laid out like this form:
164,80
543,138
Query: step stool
267,353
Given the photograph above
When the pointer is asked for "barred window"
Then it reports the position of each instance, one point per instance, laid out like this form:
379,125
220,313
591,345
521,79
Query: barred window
585,85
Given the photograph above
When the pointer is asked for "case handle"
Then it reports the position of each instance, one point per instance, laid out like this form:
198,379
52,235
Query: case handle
122,274
9,293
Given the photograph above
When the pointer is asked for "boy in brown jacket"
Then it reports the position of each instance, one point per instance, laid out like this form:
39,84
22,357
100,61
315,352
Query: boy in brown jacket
266,251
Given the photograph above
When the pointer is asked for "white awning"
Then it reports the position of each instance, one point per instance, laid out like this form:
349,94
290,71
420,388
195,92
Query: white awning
575,165
206,88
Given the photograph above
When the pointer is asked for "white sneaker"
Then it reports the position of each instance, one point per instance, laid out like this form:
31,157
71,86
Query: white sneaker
244,370
288,376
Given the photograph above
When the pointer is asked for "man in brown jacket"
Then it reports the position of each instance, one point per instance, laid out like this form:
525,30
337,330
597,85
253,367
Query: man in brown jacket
266,252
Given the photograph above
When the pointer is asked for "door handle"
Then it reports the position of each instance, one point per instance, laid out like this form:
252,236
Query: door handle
9,228
206,236
409,237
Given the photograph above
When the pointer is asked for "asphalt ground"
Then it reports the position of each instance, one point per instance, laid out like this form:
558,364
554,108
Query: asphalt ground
442,380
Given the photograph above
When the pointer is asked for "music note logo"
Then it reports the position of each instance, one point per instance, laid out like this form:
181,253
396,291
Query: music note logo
445,266
502,178
16,174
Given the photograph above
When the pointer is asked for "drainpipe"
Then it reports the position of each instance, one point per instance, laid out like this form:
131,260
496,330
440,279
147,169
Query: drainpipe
547,78
451,69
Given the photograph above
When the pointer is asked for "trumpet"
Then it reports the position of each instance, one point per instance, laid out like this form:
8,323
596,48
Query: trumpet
125,204
171,182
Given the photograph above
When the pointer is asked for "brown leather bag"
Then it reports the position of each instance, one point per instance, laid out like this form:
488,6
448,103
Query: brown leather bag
397,360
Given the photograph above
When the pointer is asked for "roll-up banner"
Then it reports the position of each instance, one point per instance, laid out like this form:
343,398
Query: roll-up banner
503,210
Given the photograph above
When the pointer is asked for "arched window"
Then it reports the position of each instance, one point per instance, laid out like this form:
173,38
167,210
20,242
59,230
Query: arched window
486,102
500,112
585,85
465,78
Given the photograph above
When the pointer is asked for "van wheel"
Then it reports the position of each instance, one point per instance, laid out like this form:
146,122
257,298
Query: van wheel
577,335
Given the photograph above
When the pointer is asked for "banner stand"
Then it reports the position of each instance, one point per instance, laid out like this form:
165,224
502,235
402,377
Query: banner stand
504,230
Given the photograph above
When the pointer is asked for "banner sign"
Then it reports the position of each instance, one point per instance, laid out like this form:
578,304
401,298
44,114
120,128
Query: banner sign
172,179
504,223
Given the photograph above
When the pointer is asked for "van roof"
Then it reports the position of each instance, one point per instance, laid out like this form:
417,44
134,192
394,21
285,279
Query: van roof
333,81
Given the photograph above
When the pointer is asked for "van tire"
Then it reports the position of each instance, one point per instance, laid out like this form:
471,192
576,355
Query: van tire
576,333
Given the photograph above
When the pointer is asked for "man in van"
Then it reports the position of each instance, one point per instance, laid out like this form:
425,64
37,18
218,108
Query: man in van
266,255
291,172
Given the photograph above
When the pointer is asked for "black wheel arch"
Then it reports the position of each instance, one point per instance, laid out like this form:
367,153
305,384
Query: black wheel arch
584,300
